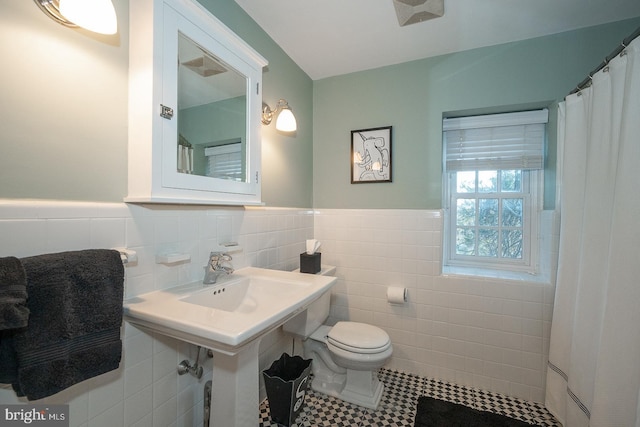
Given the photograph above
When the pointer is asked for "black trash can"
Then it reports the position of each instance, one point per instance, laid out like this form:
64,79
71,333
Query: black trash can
286,382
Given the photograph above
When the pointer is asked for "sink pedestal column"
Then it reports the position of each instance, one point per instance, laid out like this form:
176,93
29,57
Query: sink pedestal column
235,388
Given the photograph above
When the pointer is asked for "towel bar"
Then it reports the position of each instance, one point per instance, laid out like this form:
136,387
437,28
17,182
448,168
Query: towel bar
128,256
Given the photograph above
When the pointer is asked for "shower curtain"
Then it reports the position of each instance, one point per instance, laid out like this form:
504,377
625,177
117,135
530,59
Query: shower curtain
593,376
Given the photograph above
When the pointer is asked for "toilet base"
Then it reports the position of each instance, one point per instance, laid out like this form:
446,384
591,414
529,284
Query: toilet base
362,388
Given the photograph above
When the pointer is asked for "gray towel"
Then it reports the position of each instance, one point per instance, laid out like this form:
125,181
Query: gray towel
14,314
75,300
13,294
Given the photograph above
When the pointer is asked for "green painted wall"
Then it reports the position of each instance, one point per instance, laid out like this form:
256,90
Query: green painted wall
287,162
64,133
212,124
64,109
413,97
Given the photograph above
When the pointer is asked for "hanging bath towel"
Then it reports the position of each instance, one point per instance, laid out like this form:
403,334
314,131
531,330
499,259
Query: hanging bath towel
14,314
75,299
13,294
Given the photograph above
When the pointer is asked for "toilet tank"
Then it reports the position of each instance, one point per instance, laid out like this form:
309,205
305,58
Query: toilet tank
305,323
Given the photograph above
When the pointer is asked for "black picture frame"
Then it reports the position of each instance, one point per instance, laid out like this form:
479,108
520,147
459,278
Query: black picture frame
371,155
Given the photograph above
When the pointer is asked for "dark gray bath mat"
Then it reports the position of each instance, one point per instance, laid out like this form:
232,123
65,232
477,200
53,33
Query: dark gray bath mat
439,413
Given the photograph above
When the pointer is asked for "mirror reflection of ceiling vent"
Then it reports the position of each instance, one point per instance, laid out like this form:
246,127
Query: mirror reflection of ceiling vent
205,66
413,11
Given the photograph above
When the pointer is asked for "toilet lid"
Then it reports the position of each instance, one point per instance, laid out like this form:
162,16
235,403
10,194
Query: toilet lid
358,337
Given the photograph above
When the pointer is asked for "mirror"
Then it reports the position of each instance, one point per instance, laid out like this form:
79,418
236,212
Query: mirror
212,115
194,108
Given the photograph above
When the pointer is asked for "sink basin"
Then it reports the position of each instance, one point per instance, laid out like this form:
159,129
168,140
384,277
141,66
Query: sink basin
229,314
245,294
230,318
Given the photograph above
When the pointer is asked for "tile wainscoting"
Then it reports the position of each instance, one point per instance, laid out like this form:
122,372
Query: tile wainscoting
491,334
146,390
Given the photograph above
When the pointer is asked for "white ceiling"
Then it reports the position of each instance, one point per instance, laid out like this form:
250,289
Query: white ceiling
332,37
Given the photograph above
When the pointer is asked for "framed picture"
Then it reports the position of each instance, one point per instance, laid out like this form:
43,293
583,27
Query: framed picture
371,155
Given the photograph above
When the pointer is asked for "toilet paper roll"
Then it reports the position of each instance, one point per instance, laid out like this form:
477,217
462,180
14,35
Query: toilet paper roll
396,295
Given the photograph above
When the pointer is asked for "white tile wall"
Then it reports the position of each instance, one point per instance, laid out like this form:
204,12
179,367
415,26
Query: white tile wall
487,332
146,390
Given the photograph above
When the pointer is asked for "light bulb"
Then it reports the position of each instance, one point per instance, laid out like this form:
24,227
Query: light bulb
96,15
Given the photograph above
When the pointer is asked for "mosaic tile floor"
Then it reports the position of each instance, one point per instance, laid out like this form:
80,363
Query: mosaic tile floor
398,405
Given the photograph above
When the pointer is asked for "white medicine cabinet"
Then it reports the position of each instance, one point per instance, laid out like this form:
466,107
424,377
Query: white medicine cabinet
195,96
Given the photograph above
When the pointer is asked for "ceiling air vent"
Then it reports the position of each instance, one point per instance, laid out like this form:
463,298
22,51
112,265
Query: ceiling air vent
205,65
413,11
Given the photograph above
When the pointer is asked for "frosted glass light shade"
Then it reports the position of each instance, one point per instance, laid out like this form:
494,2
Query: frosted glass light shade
286,121
95,15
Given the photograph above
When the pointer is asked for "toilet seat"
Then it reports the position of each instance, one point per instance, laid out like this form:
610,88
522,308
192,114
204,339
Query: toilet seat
359,338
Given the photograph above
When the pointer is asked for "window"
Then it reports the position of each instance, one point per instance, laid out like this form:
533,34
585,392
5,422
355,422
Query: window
491,216
225,161
492,177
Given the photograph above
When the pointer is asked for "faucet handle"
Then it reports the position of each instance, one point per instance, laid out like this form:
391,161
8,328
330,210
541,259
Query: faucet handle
216,267
216,259
219,257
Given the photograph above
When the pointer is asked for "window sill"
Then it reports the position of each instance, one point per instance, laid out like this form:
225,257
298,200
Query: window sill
521,276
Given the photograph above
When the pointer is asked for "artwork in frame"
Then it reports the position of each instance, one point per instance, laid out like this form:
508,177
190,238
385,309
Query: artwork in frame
371,155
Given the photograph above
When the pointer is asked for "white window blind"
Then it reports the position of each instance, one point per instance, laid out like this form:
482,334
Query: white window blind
224,161
496,141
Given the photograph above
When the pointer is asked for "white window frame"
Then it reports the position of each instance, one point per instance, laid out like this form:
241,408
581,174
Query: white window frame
532,186
532,182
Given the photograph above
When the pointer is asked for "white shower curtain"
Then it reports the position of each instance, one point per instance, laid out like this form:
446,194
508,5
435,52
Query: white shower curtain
593,377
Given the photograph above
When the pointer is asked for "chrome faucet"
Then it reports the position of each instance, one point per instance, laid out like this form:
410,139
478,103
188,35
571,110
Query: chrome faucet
219,264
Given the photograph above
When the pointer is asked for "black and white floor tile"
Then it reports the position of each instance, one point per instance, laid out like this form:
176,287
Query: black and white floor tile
398,405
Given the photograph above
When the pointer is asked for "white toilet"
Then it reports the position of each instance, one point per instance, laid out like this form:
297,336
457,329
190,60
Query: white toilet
345,356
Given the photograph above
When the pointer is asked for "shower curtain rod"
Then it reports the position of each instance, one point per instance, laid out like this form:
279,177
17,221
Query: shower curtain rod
586,82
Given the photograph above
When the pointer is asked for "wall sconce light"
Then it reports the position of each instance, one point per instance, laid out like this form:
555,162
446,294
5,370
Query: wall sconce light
98,16
286,121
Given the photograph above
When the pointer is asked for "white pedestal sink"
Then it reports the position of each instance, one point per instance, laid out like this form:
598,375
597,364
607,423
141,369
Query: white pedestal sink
234,400
230,318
